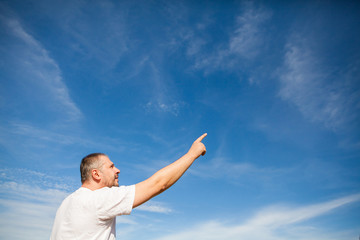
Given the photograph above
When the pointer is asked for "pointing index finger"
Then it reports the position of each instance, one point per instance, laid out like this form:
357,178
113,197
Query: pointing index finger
201,137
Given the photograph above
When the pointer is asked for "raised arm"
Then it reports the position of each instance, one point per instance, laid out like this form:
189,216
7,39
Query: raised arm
167,176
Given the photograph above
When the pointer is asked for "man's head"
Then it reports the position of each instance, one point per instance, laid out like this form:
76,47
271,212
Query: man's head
98,168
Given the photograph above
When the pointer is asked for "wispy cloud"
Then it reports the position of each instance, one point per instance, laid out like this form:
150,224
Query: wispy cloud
303,83
159,105
27,203
277,222
37,70
25,141
275,217
248,35
40,134
163,97
10,178
154,206
221,166
244,42
99,38
241,173
322,93
18,192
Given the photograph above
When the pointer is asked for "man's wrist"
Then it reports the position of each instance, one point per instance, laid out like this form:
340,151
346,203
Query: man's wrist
192,155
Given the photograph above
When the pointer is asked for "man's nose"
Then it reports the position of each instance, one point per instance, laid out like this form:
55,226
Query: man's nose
117,170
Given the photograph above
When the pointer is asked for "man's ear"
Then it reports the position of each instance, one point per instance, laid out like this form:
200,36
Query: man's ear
95,174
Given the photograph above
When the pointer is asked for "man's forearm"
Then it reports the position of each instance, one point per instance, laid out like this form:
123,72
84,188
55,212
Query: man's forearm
167,176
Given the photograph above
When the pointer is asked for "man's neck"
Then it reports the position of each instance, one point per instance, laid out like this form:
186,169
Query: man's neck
91,185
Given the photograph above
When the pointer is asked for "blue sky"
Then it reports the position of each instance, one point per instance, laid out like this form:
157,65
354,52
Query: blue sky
275,84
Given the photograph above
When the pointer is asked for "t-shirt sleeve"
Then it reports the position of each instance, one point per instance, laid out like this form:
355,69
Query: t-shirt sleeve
115,201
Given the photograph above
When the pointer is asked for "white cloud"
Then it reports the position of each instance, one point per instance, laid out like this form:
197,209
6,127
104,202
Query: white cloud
278,223
26,141
241,173
153,206
320,92
37,70
245,42
248,36
220,166
27,210
18,192
275,217
40,134
11,178
161,106
163,97
195,46
93,33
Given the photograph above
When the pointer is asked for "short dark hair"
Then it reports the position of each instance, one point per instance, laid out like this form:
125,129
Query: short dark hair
89,163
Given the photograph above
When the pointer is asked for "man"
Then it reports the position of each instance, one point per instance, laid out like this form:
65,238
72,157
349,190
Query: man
90,212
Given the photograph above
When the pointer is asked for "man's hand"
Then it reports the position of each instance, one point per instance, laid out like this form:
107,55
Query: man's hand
198,148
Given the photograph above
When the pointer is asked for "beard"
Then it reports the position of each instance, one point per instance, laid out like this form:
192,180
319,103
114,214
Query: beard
116,182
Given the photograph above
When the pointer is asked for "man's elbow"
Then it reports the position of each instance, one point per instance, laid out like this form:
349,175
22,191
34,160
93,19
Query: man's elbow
160,186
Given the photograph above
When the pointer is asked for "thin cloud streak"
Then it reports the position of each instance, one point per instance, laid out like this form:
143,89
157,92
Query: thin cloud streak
220,166
161,100
28,138
154,206
241,173
248,35
28,202
40,71
306,84
245,42
100,38
268,223
9,180
275,217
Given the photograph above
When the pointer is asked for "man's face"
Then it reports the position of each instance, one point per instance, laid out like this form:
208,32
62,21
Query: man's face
109,173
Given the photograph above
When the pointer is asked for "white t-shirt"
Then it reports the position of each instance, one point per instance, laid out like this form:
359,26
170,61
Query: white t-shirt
87,214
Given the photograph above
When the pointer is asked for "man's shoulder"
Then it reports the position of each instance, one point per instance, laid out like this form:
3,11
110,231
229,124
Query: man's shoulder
105,192
82,196
79,193
115,189
120,192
